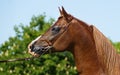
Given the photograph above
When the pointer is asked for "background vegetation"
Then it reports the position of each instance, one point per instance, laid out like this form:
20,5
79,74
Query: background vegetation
49,64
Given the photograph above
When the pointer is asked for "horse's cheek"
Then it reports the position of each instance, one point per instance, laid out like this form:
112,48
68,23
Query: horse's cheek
60,46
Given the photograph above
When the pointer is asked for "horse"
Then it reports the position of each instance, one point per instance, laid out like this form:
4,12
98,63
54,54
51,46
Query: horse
93,53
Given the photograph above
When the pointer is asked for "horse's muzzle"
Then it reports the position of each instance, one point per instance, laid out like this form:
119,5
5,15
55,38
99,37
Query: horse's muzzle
38,50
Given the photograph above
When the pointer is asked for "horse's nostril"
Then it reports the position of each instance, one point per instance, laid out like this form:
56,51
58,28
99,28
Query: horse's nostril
41,48
32,47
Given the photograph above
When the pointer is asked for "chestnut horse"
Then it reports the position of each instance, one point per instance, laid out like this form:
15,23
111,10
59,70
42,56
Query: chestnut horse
92,51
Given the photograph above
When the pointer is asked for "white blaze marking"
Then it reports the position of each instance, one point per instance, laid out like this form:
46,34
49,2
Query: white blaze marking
35,39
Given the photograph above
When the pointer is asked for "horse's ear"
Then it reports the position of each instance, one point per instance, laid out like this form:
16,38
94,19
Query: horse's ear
60,11
64,13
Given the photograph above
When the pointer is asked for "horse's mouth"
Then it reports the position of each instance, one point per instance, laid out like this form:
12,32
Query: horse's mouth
38,51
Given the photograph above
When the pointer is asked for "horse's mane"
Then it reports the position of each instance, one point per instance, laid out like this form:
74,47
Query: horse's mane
106,53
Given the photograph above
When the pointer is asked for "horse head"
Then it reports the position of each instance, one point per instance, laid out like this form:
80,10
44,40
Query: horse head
57,38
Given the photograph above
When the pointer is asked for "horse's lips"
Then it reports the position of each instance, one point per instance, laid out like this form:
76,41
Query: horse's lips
33,53
40,51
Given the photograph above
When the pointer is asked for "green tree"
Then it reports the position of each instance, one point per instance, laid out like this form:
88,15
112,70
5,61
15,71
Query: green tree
16,47
117,46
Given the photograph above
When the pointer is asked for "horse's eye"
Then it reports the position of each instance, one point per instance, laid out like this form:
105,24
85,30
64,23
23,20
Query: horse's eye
55,29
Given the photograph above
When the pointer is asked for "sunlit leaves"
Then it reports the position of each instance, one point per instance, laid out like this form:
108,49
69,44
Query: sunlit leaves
117,46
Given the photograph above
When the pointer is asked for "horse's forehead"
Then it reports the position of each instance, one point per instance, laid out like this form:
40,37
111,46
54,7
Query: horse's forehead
61,21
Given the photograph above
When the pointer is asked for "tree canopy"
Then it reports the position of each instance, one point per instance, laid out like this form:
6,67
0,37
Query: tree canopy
16,47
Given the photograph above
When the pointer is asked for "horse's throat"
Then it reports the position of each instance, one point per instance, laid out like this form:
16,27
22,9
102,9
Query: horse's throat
86,61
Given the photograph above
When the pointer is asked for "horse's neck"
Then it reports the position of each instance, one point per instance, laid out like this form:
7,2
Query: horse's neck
85,54
86,61
106,53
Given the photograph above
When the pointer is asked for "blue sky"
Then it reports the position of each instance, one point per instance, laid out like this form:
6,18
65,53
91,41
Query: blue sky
104,14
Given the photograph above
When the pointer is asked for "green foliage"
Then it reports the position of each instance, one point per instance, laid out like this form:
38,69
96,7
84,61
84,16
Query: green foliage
117,46
16,47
